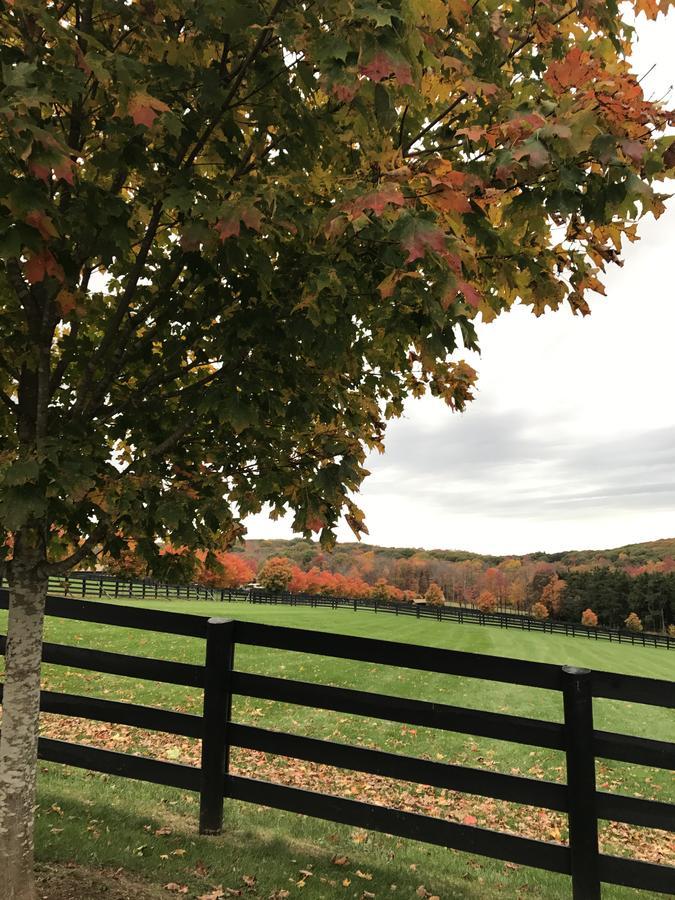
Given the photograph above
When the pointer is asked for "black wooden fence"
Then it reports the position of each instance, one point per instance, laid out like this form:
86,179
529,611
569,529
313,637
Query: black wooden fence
219,679
103,586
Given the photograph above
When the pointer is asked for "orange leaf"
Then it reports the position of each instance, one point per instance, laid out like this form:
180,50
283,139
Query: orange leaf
64,170
42,223
382,66
228,227
40,265
144,109
39,171
66,302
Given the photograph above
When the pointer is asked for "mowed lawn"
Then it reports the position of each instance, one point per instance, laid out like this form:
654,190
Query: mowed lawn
100,821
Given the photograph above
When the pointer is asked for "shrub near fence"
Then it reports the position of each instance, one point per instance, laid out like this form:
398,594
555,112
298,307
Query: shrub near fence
102,586
576,736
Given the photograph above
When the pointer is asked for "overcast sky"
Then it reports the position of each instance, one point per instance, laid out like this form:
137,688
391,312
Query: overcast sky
570,442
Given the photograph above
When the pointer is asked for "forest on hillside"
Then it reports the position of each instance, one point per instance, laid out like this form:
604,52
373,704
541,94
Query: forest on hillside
632,585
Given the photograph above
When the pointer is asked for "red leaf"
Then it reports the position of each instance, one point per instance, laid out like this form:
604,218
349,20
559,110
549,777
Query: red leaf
66,302
474,132
314,523
229,226
471,295
64,170
451,201
575,70
39,171
345,93
419,237
634,150
144,108
469,820
42,223
40,265
382,66
375,200
251,217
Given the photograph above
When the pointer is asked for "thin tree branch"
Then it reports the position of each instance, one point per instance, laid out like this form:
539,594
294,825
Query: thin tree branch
237,79
63,565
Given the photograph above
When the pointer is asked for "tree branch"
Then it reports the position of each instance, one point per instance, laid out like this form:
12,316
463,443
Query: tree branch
237,79
63,565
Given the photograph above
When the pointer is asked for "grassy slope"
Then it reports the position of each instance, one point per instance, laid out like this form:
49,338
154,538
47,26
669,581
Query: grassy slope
103,818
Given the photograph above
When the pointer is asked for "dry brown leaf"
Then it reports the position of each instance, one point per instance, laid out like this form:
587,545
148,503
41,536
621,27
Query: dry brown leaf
215,894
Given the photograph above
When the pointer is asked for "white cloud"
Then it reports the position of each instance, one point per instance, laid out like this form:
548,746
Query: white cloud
571,440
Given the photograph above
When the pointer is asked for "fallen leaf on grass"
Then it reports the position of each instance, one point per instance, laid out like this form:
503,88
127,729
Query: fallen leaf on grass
366,875
340,860
176,888
163,831
346,882
249,880
469,820
216,894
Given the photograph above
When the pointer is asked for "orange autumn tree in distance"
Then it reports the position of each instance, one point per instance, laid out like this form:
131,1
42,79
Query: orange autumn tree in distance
589,618
276,574
236,237
486,602
434,594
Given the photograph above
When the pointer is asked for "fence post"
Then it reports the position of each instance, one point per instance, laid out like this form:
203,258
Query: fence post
217,708
582,813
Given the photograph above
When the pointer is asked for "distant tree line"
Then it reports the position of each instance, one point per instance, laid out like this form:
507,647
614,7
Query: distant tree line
605,594
614,594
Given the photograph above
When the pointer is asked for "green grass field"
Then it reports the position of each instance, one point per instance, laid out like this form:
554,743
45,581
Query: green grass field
100,821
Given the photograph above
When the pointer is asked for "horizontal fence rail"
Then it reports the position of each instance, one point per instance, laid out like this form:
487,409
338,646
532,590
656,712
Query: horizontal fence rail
576,737
92,585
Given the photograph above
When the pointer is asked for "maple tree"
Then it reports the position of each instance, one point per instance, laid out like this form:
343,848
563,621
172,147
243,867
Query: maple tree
276,573
552,594
486,602
434,594
589,618
540,611
633,622
234,239
223,570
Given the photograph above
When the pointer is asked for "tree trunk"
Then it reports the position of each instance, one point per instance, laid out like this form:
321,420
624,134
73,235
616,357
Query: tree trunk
20,723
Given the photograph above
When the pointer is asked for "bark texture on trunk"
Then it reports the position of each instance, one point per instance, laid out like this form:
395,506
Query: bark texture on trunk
20,724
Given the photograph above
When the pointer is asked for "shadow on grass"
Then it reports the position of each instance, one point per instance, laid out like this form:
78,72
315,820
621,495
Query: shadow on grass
105,824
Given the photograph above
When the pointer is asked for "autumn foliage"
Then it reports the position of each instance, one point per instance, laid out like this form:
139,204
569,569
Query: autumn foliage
276,574
589,618
486,602
540,611
434,594
633,622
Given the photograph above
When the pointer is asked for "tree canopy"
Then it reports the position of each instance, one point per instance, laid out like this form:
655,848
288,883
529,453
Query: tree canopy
235,236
